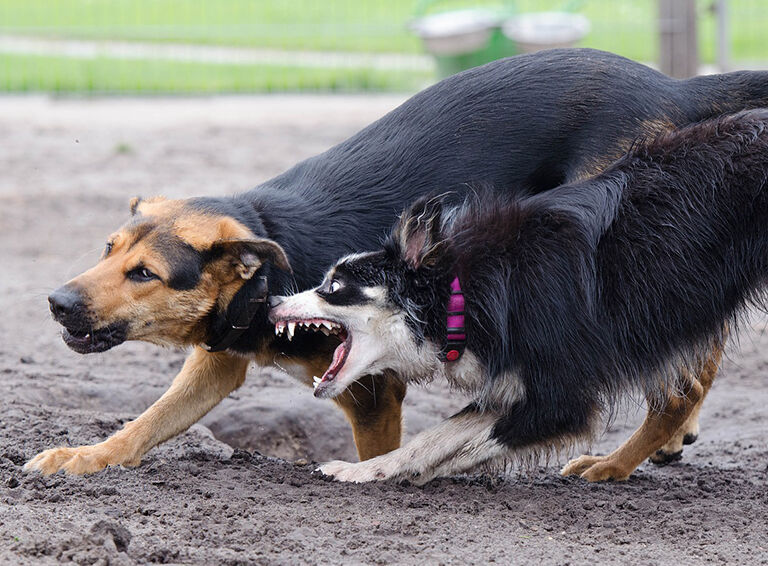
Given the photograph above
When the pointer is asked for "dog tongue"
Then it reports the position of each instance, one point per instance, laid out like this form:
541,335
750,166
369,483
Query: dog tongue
339,356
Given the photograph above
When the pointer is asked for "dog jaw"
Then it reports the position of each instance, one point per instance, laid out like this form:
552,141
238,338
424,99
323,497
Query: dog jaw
366,339
95,340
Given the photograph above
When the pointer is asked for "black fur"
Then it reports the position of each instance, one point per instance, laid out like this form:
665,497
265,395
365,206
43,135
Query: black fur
347,294
185,263
600,286
526,123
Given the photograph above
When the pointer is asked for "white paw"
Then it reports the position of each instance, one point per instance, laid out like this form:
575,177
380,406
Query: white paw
360,472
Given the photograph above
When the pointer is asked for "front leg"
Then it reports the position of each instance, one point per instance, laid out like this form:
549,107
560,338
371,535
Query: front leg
202,383
373,406
457,445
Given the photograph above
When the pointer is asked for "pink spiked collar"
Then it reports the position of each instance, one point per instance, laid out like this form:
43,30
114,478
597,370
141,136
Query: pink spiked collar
456,334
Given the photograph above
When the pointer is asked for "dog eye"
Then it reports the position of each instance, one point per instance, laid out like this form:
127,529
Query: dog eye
334,286
108,249
141,275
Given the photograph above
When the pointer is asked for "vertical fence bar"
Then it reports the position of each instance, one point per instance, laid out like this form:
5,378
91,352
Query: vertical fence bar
723,37
678,47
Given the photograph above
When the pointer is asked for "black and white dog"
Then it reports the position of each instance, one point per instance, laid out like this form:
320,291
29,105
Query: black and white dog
546,308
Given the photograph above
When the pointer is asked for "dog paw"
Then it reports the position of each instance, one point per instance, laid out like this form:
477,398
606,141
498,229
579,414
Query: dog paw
360,472
672,451
662,457
595,468
78,461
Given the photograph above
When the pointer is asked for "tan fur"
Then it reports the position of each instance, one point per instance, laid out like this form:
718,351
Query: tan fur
158,314
156,206
373,407
690,428
659,427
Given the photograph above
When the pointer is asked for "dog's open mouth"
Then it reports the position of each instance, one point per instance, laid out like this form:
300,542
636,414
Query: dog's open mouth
289,327
89,341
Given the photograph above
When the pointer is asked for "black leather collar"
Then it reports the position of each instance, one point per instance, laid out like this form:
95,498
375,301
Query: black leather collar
243,318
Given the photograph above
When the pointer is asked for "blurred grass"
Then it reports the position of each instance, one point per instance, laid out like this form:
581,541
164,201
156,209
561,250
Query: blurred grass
627,27
28,73
343,25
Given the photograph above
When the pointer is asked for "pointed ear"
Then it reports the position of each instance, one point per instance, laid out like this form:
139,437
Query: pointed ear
418,233
134,204
247,256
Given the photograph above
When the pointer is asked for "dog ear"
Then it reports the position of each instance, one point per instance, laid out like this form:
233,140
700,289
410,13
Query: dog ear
134,205
136,202
247,256
418,233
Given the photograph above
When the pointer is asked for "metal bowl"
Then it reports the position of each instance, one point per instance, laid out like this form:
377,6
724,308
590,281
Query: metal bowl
546,30
457,32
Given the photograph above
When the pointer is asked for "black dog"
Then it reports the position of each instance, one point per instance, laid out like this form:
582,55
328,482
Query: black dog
563,300
527,124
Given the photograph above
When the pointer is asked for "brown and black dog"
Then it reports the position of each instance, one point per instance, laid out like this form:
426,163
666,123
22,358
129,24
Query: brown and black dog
199,271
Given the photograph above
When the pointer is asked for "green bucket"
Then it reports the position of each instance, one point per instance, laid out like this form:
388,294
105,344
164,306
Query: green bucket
462,39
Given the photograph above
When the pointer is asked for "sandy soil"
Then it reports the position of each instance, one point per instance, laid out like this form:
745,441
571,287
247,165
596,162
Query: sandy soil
238,488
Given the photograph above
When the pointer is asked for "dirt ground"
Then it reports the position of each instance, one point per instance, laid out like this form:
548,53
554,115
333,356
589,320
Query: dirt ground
238,489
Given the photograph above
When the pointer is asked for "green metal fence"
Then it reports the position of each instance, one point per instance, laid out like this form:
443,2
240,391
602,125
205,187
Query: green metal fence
211,46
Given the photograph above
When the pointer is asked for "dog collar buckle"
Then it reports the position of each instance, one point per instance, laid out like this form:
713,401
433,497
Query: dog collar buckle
455,331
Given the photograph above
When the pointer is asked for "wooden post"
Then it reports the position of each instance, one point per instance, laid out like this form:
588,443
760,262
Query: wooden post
723,36
678,49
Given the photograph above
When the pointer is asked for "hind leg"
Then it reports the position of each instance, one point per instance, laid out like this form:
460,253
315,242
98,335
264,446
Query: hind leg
657,429
689,430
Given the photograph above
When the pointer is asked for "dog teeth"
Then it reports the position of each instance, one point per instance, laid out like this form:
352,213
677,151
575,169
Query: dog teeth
332,327
316,381
327,327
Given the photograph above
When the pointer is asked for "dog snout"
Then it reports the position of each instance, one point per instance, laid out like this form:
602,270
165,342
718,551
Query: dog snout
276,307
65,302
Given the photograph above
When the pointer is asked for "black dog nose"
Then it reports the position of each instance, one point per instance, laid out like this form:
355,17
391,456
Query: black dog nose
64,301
275,300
